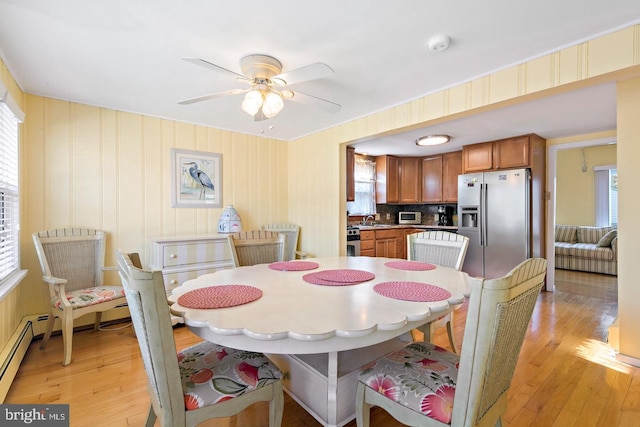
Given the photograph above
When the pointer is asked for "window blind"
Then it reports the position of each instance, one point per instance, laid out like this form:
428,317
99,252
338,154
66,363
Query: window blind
9,192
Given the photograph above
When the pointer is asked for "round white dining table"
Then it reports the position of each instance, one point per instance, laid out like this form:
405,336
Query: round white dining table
327,330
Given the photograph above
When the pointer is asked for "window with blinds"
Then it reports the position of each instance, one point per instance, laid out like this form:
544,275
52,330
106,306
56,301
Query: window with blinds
9,192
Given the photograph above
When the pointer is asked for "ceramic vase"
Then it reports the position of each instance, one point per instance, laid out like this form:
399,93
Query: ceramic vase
229,221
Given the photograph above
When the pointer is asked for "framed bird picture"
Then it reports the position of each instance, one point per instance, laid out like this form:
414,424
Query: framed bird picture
196,179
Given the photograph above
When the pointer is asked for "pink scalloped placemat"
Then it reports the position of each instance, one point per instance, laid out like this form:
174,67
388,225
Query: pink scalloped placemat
412,291
410,265
294,265
342,277
219,296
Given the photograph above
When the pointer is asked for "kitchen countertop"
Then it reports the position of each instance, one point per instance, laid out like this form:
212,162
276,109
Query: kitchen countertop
392,226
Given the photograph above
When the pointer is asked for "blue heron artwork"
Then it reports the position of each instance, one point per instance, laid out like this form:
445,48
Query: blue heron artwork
201,178
196,180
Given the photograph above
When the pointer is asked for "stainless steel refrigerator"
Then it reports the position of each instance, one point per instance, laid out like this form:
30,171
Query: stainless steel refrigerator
494,213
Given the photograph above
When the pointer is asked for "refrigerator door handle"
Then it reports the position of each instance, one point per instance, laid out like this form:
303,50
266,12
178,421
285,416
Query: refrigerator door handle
483,224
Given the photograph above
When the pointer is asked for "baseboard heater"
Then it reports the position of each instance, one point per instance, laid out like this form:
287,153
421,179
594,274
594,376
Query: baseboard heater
13,354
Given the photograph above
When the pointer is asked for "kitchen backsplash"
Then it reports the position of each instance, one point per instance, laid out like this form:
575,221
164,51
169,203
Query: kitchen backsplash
389,213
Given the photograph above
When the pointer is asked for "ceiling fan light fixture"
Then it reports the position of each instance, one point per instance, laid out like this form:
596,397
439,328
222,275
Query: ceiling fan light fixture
286,94
252,102
429,140
272,104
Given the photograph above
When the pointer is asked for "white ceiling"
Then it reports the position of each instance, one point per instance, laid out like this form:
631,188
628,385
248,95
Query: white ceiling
126,55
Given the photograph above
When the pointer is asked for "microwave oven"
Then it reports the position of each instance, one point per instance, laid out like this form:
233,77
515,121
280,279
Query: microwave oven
409,218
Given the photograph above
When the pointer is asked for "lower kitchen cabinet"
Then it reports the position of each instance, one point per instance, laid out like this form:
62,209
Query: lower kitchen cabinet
386,243
367,243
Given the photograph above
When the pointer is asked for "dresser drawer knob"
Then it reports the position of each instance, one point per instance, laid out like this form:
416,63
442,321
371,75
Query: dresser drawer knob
174,282
174,256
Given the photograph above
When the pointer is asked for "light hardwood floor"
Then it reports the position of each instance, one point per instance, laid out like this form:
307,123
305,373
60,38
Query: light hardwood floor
566,374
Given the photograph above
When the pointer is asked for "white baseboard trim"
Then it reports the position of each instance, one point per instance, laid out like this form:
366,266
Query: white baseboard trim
12,355
628,360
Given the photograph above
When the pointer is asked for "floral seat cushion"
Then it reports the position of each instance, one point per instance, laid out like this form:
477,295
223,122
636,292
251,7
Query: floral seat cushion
85,297
420,376
212,373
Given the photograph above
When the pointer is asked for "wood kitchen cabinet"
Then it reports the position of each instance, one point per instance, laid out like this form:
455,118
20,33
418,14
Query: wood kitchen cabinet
387,179
509,153
477,157
451,168
351,183
409,176
386,243
432,179
367,243
440,177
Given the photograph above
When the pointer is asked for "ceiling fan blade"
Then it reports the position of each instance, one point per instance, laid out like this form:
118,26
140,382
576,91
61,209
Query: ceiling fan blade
303,74
211,66
213,95
314,101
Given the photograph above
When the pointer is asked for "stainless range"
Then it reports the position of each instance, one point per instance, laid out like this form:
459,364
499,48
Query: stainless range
353,241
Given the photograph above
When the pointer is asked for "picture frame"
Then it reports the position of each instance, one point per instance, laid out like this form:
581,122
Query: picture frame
196,179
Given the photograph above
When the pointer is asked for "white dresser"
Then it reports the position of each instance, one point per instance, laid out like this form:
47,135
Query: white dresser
181,258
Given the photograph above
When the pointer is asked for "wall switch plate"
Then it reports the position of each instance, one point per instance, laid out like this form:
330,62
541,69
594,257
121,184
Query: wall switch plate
388,215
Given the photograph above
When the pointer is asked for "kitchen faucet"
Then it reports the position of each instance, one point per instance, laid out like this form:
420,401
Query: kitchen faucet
367,218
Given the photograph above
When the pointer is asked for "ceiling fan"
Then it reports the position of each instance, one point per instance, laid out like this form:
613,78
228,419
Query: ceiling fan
265,96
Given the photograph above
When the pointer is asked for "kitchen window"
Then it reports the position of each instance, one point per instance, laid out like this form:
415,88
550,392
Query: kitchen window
364,174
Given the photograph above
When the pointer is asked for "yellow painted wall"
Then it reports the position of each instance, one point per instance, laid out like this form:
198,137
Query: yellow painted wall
575,190
105,169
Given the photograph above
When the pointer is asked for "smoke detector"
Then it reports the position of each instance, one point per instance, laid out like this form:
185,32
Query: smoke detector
438,43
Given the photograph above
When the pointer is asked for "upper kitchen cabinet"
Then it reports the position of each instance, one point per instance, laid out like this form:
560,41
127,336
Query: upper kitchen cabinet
351,184
432,179
510,153
478,157
451,168
387,179
409,180
440,177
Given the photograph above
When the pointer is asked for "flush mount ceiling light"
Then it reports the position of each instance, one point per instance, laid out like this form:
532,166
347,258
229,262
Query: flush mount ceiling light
433,140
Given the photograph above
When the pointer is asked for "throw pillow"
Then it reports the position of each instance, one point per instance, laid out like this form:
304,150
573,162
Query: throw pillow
566,233
607,238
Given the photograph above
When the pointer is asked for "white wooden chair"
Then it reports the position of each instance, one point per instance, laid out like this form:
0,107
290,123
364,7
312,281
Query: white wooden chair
202,381
292,231
441,248
257,247
72,262
428,386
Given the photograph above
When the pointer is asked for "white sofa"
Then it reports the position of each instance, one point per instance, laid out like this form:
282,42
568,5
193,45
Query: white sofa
583,248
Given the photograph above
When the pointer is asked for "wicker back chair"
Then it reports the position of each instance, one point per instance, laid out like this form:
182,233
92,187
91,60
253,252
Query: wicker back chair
438,247
72,262
257,247
424,385
445,249
205,380
292,231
